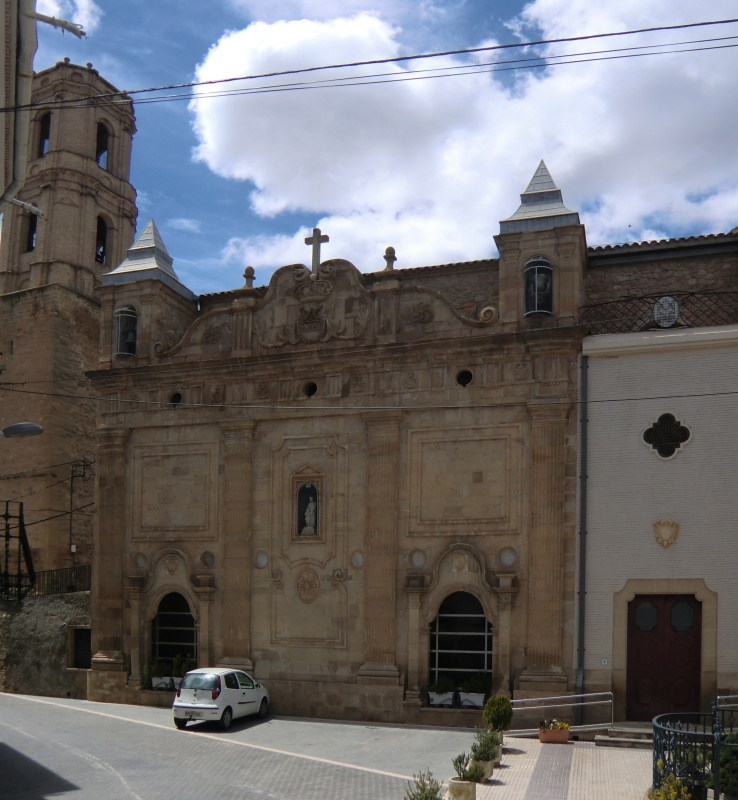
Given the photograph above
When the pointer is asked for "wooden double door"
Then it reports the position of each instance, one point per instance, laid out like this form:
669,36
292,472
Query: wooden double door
664,655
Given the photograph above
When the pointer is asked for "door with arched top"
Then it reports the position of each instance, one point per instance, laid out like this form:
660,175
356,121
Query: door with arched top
664,655
173,632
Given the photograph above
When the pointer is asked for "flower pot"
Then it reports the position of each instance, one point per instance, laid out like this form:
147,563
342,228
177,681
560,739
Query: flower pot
471,699
162,683
487,766
498,755
462,790
553,737
441,698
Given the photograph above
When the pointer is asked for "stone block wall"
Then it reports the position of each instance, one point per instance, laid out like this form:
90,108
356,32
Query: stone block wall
35,642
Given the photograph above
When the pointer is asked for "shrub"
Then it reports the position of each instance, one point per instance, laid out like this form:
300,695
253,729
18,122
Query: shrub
728,767
426,787
443,685
485,746
473,773
671,787
498,713
478,683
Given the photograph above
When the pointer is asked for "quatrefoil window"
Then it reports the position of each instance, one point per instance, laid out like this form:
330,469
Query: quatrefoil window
666,435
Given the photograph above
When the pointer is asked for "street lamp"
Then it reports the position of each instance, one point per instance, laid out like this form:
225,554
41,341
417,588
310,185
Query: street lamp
19,429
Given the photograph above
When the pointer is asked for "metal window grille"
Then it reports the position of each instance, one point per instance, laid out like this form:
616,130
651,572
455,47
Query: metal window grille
173,630
126,320
538,287
460,639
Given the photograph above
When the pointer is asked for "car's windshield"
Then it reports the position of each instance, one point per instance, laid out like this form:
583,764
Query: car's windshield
198,680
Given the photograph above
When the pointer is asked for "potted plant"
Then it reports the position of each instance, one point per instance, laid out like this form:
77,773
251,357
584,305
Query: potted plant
426,787
441,693
158,674
484,752
553,731
464,785
498,715
474,690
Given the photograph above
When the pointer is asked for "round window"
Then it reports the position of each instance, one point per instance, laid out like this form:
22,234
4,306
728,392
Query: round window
175,399
464,377
310,388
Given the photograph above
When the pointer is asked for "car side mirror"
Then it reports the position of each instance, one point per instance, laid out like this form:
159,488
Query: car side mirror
258,686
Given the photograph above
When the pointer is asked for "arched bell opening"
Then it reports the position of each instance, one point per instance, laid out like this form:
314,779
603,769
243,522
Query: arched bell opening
173,633
460,642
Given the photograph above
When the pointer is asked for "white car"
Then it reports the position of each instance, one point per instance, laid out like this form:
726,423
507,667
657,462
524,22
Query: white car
219,695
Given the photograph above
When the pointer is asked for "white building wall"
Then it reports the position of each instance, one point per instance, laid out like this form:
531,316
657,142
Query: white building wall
633,379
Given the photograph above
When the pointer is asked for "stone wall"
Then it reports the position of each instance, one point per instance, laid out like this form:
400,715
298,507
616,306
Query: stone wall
34,645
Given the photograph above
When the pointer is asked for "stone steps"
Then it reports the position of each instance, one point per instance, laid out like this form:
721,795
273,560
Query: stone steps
634,735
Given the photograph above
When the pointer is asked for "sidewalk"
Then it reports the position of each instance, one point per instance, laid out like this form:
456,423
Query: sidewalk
576,771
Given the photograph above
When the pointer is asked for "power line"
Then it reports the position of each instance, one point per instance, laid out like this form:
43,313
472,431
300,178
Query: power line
353,408
37,470
36,491
371,62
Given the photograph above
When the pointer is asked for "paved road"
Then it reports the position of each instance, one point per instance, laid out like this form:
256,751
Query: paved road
87,750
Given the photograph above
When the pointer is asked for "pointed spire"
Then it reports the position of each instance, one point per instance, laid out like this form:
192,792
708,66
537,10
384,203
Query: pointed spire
541,206
148,259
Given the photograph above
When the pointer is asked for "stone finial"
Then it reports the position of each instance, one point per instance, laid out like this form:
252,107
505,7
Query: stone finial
390,258
89,65
248,274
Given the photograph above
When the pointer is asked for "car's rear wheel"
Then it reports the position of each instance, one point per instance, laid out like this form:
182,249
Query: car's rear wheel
180,723
225,719
263,708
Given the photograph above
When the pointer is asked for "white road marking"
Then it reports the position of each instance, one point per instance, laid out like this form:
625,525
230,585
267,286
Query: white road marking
208,736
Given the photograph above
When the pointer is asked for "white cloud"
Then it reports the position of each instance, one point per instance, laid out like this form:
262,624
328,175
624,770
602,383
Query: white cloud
182,224
85,12
430,167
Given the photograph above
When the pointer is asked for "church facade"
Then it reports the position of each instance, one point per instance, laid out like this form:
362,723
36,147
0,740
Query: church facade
323,476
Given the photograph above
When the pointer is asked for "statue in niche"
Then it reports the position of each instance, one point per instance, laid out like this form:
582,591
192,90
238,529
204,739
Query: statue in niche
307,510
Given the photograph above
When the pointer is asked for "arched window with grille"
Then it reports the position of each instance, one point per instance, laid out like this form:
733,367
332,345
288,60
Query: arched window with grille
126,331
44,135
460,640
101,241
538,286
101,146
173,631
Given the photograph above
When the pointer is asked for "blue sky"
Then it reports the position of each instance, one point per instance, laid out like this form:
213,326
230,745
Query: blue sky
447,158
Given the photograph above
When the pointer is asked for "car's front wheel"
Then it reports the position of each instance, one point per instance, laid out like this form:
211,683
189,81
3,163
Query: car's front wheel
263,708
180,723
225,719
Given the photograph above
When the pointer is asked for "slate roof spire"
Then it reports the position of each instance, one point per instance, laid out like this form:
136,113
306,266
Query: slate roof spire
147,259
541,206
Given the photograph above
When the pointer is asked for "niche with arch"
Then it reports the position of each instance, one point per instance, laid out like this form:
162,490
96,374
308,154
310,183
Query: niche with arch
173,631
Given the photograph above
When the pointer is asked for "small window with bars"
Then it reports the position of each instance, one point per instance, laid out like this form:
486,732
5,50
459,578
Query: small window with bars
460,640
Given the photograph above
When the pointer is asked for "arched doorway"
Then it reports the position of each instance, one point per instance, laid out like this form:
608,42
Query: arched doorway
173,631
460,640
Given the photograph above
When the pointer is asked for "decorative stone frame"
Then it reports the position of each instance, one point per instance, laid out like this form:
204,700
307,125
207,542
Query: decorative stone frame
634,586
459,568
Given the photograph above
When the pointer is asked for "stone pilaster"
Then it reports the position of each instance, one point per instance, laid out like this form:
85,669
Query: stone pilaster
506,591
238,438
383,464
546,560
109,550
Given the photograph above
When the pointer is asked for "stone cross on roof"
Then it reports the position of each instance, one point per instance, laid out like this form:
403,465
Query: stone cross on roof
315,240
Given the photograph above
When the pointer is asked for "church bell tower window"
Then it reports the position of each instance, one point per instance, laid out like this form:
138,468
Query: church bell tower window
101,241
101,149
538,286
44,135
31,233
126,321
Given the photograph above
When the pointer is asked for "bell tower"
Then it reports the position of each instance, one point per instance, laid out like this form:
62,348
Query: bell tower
79,155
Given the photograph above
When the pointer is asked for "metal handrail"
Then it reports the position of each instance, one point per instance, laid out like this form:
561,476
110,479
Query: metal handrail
733,697
570,701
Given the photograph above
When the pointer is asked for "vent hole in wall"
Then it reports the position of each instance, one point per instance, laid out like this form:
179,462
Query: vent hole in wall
464,377
310,388
175,399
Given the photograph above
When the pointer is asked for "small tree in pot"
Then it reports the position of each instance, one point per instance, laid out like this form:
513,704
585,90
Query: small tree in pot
484,752
498,715
464,785
426,787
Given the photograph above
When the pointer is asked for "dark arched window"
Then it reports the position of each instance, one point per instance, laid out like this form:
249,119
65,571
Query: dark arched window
173,631
460,640
101,241
31,233
101,148
538,286
44,135
126,324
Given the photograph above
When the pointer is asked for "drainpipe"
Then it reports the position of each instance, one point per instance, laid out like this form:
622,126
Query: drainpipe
582,588
27,45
